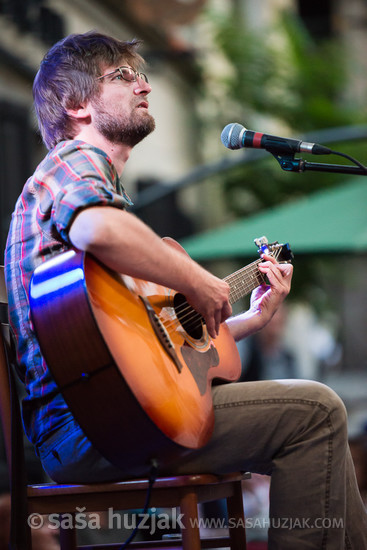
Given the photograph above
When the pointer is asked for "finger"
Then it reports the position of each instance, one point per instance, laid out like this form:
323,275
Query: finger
218,320
272,273
226,312
277,280
286,269
211,327
280,276
279,270
268,258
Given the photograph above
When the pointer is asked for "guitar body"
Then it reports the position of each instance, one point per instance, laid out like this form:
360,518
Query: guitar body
135,375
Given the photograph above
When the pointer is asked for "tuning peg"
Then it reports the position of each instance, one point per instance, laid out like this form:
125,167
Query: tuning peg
261,241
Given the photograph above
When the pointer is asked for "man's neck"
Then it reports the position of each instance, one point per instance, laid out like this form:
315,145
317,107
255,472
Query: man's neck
118,152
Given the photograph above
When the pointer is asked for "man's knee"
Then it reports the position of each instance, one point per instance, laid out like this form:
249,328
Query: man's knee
328,400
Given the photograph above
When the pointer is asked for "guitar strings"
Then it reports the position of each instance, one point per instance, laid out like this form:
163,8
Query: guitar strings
185,313
245,284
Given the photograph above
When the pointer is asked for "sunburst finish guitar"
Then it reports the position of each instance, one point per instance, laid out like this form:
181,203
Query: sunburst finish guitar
132,359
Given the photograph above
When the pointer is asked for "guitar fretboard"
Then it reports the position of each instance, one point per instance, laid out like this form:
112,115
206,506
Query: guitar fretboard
243,281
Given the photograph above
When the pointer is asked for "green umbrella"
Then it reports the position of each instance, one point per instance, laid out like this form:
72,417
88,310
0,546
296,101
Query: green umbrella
332,220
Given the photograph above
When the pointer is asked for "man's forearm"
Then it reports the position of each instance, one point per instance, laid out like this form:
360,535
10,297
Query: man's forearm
243,325
125,244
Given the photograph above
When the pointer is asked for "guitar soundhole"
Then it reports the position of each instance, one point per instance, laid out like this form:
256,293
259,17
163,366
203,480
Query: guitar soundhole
191,321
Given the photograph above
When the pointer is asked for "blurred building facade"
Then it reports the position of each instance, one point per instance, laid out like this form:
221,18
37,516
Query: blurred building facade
28,28
182,58
181,55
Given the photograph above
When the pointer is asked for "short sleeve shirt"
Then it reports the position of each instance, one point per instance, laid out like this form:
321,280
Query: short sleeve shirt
73,176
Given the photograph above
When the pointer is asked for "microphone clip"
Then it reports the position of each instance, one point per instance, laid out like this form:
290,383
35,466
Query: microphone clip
289,163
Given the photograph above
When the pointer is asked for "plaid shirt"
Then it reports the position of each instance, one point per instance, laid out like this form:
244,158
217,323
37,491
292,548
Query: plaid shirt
73,176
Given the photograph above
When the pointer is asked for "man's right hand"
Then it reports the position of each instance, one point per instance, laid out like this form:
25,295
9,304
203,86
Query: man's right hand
210,298
209,295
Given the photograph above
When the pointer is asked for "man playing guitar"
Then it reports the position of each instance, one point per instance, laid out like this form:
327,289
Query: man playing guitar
92,105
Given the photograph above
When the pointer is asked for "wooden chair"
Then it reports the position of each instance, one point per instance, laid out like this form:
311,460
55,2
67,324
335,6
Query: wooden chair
185,491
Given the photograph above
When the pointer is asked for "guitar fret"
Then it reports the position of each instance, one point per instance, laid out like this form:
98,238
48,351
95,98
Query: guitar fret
244,281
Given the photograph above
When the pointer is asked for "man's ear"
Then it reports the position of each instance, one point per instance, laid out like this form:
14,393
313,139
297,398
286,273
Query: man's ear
79,112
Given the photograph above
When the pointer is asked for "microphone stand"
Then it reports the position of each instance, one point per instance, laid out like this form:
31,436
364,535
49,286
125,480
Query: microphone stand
288,163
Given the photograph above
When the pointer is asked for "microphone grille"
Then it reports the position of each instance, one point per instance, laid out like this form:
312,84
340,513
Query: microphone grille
231,135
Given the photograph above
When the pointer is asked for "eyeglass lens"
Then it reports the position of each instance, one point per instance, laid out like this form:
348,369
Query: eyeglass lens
130,75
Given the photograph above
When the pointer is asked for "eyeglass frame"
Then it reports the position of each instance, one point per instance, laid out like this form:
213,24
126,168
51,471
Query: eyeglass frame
137,75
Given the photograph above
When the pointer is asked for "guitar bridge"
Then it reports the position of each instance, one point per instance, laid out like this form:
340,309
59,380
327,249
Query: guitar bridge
161,333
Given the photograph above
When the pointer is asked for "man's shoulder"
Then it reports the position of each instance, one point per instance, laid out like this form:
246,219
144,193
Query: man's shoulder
77,148
79,156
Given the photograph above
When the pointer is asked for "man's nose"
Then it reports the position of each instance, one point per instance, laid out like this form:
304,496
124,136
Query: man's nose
142,87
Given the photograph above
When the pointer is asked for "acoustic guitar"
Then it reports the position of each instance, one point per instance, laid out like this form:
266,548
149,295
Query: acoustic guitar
132,359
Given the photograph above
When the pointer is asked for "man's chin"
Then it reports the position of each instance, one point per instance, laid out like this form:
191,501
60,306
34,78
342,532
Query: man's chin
115,131
139,132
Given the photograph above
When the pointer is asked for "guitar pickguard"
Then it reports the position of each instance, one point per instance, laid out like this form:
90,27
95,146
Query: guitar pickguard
199,364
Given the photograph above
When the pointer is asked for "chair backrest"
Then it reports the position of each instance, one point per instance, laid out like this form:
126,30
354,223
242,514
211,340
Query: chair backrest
5,397
3,295
13,433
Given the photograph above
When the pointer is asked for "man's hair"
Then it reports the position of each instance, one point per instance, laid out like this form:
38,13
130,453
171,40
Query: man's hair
67,78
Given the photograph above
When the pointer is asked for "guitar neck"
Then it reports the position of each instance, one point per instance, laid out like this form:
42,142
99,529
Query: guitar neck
243,281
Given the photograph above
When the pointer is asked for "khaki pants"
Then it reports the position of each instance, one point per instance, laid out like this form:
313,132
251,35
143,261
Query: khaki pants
293,430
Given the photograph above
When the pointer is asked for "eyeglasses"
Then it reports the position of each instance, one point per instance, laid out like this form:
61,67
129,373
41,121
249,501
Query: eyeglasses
126,73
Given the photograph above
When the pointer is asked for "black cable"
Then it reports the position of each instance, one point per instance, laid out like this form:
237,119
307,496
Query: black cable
151,480
355,161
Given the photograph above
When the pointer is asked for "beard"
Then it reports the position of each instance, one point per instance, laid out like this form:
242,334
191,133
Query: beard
119,128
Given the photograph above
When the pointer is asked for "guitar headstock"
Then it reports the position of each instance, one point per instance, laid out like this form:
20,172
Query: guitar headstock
281,252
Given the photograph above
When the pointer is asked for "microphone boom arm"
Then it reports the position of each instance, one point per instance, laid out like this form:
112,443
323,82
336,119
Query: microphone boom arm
290,164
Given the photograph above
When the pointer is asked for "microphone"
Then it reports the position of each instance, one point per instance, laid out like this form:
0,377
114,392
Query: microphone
236,136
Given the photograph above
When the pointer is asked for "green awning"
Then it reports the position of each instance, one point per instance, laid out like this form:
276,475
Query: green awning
333,220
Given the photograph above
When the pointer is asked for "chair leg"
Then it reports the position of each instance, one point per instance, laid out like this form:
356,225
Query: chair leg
67,537
20,536
236,517
190,520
